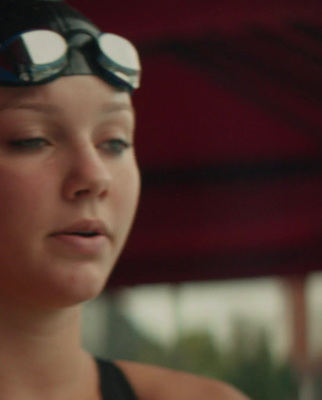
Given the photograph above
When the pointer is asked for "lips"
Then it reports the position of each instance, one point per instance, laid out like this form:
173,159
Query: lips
85,228
85,237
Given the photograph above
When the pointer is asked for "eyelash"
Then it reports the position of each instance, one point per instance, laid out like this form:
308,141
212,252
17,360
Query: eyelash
113,146
29,144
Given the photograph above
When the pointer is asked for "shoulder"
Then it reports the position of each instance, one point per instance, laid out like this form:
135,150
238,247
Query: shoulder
156,383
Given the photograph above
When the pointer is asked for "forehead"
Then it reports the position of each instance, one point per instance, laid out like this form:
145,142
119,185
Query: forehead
72,94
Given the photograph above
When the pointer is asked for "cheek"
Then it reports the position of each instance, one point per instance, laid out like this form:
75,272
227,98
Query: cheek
128,191
21,196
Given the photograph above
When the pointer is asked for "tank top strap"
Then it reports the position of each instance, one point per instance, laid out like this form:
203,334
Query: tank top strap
113,383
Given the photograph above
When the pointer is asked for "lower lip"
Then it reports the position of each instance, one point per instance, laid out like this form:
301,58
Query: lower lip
88,246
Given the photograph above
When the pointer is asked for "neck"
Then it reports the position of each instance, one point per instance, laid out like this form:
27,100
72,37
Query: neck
41,354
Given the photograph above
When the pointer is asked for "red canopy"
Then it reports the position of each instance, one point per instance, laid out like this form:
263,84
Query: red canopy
229,137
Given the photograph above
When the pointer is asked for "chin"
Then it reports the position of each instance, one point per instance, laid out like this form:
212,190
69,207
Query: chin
81,288
70,286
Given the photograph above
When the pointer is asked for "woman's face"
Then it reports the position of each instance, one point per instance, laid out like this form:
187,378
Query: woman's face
67,172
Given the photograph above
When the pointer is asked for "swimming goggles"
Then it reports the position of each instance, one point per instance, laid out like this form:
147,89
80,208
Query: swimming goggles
41,55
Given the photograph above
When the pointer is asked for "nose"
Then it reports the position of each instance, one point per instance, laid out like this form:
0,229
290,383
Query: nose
87,175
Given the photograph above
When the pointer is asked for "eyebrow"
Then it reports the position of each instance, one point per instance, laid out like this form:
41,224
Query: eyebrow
39,107
54,109
116,106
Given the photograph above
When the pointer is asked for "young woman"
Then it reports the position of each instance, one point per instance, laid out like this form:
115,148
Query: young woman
69,187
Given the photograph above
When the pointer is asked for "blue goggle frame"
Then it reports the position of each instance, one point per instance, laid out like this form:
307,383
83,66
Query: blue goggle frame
41,55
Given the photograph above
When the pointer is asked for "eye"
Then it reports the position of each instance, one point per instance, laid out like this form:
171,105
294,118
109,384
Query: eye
29,144
115,146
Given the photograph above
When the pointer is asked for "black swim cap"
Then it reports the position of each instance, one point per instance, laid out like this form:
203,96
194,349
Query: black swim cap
18,16
23,15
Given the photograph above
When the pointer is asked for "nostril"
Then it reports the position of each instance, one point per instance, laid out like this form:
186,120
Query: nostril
77,186
82,192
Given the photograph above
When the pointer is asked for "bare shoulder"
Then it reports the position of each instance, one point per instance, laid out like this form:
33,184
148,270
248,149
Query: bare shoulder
156,383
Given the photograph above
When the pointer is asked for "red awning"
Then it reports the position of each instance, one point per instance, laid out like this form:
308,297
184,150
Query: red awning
229,137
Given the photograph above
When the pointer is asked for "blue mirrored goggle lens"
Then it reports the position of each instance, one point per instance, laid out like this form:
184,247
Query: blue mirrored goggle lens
44,47
33,56
119,56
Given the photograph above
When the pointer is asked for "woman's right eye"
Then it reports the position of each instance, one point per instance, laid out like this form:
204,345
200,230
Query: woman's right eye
29,144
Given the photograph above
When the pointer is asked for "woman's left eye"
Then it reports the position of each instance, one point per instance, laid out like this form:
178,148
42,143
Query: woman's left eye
115,146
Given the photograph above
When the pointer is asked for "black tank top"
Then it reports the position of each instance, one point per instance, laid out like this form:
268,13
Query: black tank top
113,382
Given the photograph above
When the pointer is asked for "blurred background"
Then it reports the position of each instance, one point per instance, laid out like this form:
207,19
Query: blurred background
221,275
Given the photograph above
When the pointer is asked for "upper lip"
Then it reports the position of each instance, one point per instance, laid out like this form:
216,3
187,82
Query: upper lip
85,225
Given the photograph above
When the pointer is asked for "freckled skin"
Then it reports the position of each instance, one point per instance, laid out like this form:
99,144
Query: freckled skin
71,178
